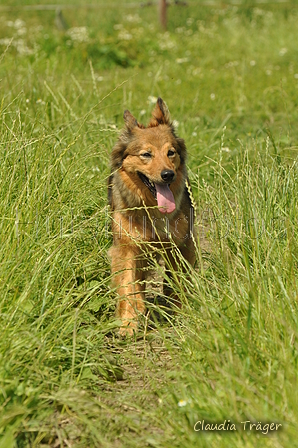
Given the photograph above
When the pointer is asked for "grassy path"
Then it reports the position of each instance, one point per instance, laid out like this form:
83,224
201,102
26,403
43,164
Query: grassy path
230,78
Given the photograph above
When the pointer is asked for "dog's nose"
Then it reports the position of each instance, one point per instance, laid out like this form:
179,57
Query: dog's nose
167,175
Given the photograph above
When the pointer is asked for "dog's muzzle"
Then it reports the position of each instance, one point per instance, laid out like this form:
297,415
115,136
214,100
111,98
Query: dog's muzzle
161,192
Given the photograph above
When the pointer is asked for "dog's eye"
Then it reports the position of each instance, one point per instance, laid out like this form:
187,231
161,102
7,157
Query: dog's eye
147,155
171,153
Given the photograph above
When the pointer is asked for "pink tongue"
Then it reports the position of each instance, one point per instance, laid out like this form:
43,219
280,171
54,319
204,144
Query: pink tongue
165,199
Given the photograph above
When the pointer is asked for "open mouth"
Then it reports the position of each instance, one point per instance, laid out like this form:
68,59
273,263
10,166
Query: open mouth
161,192
149,184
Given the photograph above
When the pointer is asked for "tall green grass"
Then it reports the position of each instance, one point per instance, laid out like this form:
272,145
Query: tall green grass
229,78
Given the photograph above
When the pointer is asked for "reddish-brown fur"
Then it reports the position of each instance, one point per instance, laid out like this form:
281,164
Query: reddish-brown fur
136,218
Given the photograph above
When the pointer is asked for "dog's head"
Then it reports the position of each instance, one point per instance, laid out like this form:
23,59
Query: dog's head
153,156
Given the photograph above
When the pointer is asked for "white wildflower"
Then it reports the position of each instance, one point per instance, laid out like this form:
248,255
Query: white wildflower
19,24
78,34
5,41
182,60
152,99
21,47
182,403
124,35
166,43
133,18
283,51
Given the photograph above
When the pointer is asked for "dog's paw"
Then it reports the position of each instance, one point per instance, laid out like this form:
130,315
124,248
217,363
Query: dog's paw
128,329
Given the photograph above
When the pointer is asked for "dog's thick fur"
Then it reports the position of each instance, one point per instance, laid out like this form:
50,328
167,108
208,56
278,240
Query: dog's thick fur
151,202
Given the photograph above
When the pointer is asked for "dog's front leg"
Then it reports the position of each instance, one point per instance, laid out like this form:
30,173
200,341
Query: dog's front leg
128,279
173,263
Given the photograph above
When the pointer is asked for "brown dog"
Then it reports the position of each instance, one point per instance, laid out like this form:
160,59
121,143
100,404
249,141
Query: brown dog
151,205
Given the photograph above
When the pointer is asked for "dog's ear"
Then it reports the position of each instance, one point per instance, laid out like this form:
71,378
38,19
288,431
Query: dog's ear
160,114
130,120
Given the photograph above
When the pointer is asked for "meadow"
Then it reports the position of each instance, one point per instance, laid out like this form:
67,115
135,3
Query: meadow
229,74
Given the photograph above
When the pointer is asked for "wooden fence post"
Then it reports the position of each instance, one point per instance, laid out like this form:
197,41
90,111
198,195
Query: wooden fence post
162,7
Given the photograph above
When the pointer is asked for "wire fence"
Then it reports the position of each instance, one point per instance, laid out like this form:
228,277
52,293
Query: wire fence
162,6
53,7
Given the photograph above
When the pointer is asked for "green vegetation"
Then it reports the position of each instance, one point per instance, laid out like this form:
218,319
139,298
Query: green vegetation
230,77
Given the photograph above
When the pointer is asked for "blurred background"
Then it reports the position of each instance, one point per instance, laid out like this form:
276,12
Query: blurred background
232,64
